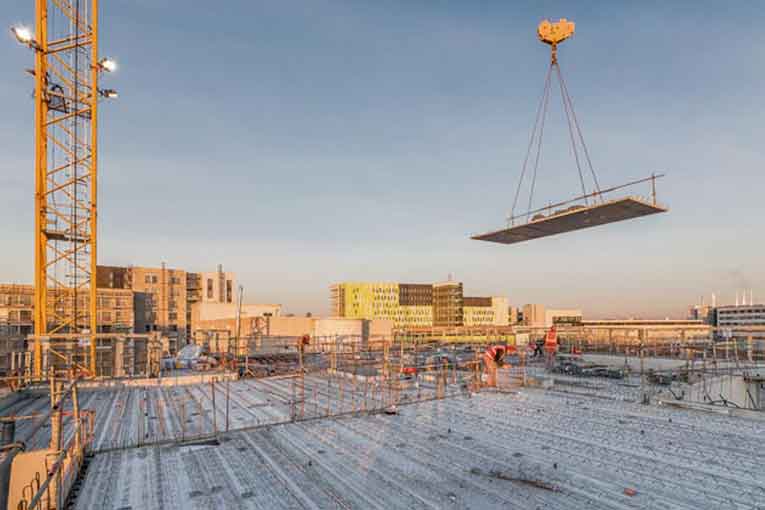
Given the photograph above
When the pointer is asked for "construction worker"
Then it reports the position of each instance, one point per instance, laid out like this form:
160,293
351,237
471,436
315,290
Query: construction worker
493,357
538,352
550,343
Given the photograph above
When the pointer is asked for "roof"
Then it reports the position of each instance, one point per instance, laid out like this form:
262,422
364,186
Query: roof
573,218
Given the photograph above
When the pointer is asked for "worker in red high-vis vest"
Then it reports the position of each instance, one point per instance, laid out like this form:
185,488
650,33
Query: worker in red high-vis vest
493,357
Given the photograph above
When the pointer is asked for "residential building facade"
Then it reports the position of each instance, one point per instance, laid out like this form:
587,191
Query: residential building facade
416,304
218,287
115,309
403,304
485,311
447,304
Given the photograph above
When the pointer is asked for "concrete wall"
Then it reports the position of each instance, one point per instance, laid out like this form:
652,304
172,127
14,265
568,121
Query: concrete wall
215,311
292,327
534,315
289,326
380,328
551,315
337,326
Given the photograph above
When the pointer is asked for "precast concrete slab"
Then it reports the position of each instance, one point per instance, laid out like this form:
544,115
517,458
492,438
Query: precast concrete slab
573,218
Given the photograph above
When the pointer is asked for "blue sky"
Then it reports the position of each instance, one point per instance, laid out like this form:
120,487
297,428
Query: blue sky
302,142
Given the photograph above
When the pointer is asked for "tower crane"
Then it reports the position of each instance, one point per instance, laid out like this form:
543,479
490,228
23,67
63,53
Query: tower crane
66,74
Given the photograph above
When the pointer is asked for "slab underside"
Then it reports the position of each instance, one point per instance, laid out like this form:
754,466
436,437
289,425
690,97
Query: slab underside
591,216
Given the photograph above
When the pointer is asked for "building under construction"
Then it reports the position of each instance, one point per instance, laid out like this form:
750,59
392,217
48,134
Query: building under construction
402,423
439,415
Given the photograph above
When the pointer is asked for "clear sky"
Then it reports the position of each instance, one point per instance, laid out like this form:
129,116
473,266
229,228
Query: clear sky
303,142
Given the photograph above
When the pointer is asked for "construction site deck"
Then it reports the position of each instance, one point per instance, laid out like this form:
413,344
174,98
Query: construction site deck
547,449
354,430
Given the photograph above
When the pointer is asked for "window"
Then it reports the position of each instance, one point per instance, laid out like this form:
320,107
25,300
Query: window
229,291
209,288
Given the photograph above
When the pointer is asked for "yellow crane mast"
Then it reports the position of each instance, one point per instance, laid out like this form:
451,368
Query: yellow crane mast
66,74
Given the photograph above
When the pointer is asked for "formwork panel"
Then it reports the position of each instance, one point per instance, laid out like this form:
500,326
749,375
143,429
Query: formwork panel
573,219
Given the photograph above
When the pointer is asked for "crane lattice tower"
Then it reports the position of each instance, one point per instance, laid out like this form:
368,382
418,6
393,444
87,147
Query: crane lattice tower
66,73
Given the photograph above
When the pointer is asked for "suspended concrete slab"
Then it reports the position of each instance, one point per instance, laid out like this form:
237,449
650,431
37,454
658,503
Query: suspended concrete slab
573,218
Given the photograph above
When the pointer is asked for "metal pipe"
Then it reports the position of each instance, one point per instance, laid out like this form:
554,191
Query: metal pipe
228,401
214,417
588,195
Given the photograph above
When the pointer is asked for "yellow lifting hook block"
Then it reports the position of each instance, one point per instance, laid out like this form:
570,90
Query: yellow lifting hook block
554,33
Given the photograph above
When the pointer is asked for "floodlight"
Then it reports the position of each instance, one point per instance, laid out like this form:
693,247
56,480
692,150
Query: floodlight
23,34
108,64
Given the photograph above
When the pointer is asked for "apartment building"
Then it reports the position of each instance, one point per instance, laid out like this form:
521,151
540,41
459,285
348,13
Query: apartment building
193,295
403,304
217,287
115,314
415,304
447,304
160,300
130,300
16,310
115,309
164,297
485,311
158,296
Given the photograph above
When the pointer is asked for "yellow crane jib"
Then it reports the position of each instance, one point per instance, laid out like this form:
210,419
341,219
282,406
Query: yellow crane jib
554,33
